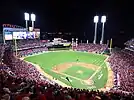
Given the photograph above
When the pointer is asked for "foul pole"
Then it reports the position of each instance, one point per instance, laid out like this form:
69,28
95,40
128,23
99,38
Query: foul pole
15,44
111,41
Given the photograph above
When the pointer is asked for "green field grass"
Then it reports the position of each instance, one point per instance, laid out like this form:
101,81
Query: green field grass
76,74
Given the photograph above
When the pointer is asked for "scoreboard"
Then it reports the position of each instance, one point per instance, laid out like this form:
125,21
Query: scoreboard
17,33
23,35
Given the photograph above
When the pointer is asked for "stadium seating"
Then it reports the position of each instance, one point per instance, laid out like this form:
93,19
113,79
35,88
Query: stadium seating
130,44
15,88
122,63
22,53
25,44
96,48
20,80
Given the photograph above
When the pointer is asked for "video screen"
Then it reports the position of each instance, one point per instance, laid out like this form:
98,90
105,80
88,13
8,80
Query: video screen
23,35
17,33
30,35
37,34
8,36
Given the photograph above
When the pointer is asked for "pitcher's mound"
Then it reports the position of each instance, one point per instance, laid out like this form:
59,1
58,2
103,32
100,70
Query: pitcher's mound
79,72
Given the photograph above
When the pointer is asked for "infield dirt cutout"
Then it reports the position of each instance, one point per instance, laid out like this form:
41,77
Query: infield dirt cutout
90,82
64,66
61,67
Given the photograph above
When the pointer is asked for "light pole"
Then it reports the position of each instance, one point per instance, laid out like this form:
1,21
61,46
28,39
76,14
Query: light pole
76,42
26,19
87,41
33,18
103,20
72,43
96,18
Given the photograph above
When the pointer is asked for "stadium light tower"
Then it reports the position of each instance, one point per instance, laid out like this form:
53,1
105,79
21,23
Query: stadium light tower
103,20
26,19
33,18
96,19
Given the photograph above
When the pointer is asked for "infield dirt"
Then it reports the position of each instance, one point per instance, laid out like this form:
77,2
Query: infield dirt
64,66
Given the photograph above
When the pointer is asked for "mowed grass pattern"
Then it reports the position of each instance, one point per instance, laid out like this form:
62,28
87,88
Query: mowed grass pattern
48,60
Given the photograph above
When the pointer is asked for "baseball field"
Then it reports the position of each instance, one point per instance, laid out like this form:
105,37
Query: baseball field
75,69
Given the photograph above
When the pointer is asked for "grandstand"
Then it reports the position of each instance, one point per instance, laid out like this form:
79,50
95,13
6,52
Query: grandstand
130,44
21,80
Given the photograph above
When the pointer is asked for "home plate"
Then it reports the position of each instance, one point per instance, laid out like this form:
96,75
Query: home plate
89,82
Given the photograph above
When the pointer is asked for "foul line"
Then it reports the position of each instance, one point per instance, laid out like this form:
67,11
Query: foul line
96,72
50,77
67,75
82,81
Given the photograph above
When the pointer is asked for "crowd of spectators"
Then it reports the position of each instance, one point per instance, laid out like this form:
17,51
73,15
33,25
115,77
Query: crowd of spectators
15,88
122,63
90,47
130,42
28,47
20,80
28,71
25,44
26,52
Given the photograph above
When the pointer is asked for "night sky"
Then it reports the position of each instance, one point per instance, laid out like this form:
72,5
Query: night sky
74,16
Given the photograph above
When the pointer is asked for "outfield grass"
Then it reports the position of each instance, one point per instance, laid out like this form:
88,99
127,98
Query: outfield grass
76,74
